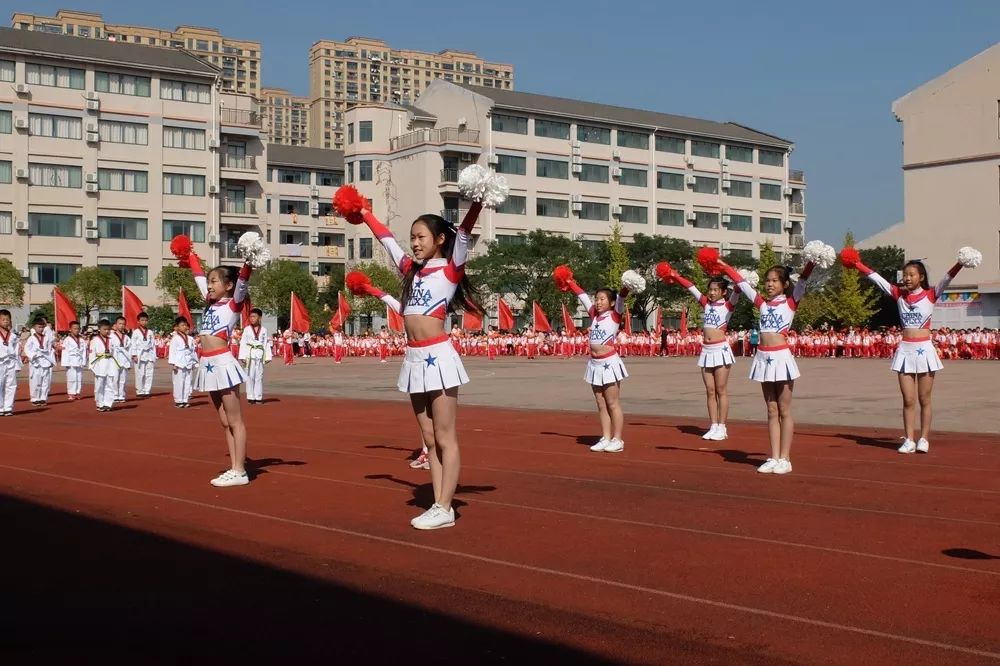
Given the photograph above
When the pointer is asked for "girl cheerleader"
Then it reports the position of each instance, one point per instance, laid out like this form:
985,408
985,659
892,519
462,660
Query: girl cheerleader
605,370
432,370
915,359
716,357
773,364
219,373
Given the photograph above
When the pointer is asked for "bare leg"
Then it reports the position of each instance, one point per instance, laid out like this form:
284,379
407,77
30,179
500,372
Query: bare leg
602,411
425,421
231,416
769,389
708,378
925,384
784,395
722,391
614,405
444,410
908,387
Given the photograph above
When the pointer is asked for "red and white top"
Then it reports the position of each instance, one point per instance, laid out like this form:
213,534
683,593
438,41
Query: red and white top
716,314
776,315
604,326
915,308
222,315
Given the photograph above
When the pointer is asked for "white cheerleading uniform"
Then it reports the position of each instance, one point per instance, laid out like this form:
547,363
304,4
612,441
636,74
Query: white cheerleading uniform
255,351
606,368
121,347
218,369
10,363
144,351
715,315
181,355
104,365
41,359
74,359
914,357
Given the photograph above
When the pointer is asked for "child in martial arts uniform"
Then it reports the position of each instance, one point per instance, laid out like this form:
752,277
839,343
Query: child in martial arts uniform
255,351
10,363
40,357
74,358
183,359
143,350
105,367
121,347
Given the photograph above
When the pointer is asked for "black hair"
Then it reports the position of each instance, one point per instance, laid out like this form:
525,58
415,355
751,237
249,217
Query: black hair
103,322
719,280
465,293
257,311
118,319
228,274
5,311
179,320
785,275
74,323
921,269
610,293
38,320
141,315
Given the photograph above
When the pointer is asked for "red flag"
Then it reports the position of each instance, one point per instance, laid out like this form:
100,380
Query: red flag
539,321
182,308
568,321
300,319
245,313
65,312
472,321
659,320
131,307
340,316
628,322
505,318
395,319
684,321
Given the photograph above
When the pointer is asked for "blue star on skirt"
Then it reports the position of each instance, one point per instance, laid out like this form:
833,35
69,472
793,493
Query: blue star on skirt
607,366
770,360
920,352
209,367
430,360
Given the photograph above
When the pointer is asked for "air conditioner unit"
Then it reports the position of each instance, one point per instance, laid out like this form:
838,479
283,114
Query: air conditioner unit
90,224
93,127
576,152
93,105
575,143
21,225
213,143
616,172
91,177
577,168
314,239
616,210
314,267
314,209
25,273
724,249
91,234
576,198
726,218
314,191
577,159
90,94
788,225
21,89
93,137
22,174
577,206
93,187
725,168
462,122
788,191
726,184
492,159
724,162
726,211
213,238
213,189
616,154
21,123
690,160
691,180
692,216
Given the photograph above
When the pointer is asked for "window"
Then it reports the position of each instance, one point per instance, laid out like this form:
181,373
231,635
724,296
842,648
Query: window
182,137
669,181
704,149
6,70
55,175
289,206
706,184
182,91
193,230
512,164
129,276
507,239
670,217
293,176
365,133
514,204
45,224
591,134
551,207
595,211
51,273
123,180
594,173
551,129
58,77
740,188
5,122
633,177
627,139
183,184
364,248
327,240
634,214
510,124
551,168
771,157
770,191
740,223
770,225
58,127
739,153
350,133
705,220
120,132
329,178
121,84
6,223
350,249
364,170
5,172
125,228
670,144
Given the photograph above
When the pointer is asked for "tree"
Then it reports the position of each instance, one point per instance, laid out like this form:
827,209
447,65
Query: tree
884,260
11,284
271,289
174,278
618,259
383,277
848,301
92,288
161,318
47,310
327,298
644,253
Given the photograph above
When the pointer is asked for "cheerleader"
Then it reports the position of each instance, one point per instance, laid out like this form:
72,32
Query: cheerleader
605,370
74,358
716,356
915,359
433,280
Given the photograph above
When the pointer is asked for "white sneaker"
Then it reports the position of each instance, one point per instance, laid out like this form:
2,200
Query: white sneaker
923,446
719,434
711,431
601,445
768,466
615,446
230,478
783,466
434,518
909,446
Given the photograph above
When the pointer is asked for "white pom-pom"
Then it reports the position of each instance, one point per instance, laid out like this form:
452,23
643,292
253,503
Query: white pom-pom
253,249
819,253
634,282
970,257
750,276
480,184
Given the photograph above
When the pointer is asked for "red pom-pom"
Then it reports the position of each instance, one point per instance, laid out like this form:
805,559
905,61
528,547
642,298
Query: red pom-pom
349,203
849,257
562,275
665,271
708,259
357,283
182,247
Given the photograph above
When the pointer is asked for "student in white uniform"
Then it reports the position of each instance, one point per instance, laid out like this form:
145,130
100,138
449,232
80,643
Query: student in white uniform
121,347
255,351
143,356
10,363
104,365
41,358
74,358
183,358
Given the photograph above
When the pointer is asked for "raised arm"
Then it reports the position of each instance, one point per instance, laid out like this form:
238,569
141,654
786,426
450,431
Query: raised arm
460,254
946,280
800,287
620,301
879,281
687,284
242,284
583,297
744,286
384,236
199,275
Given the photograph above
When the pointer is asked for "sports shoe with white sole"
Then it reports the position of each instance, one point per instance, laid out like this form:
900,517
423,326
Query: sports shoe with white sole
909,446
768,466
601,445
615,446
719,434
923,446
711,431
783,466
434,518
421,462
230,478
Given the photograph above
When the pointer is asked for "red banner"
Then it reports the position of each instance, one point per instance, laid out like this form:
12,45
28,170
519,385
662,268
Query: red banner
505,318
568,321
65,312
472,321
131,307
684,321
341,315
182,308
659,320
395,319
628,322
245,313
300,319
539,321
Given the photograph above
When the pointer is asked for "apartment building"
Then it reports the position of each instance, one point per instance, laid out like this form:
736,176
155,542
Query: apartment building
239,60
575,167
286,116
951,187
365,70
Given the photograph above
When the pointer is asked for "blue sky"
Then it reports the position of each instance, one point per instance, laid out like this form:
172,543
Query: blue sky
823,74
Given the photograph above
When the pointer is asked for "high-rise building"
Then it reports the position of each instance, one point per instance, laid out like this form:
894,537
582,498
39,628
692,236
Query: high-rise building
362,70
287,116
238,59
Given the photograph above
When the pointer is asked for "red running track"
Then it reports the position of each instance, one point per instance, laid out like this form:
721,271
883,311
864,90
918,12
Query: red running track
674,551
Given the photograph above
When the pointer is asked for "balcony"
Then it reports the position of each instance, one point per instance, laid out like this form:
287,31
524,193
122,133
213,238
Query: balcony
449,175
238,206
797,208
240,117
797,176
228,250
245,163
435,137
450,214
